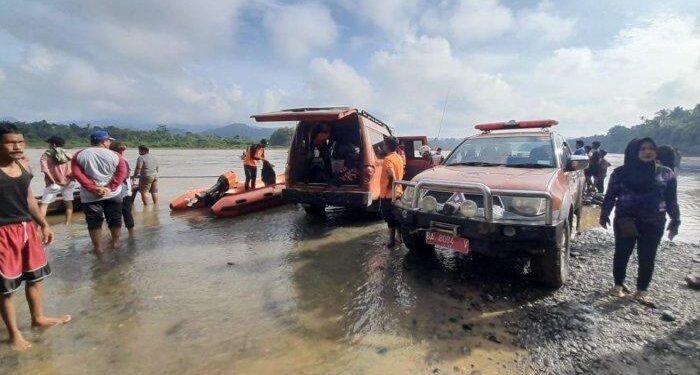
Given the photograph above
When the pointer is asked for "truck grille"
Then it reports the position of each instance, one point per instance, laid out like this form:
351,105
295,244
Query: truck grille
443,197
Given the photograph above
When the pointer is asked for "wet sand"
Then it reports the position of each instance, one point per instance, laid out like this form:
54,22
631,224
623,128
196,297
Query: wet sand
277,292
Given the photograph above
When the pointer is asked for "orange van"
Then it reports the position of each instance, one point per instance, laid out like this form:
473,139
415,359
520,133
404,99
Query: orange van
336,157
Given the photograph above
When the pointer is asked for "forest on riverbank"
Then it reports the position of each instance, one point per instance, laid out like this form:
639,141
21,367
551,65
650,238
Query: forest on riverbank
35,133
677,127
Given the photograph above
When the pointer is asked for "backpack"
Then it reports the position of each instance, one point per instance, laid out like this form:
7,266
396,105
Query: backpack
58,155
268,175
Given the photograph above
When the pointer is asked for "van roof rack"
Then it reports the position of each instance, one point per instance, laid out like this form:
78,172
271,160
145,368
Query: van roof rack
359,112
374,119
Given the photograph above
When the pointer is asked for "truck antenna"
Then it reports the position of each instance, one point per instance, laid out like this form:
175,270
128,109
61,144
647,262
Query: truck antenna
444,107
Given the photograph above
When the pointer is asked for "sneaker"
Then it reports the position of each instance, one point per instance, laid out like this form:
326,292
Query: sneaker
617,291
644,298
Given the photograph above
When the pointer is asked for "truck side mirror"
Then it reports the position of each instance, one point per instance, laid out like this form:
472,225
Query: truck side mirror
576,163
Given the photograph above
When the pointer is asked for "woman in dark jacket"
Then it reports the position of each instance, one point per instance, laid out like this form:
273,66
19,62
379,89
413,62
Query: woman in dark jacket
642,192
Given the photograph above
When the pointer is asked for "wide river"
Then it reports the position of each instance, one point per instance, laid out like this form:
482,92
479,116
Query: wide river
274,292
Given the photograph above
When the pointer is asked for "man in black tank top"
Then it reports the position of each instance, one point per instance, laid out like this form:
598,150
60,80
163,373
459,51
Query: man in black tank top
22,256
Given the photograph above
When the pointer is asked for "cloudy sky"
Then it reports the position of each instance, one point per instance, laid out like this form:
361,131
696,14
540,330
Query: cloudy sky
590,64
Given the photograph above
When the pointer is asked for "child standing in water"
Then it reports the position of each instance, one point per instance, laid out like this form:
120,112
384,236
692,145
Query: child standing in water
22,255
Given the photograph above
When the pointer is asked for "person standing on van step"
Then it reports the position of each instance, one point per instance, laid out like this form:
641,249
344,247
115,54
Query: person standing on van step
22,254
55,164
147,172
101,172
392,171
643,193
250,164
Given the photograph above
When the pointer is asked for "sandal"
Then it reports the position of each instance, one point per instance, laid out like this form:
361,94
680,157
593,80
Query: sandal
617,291
644,298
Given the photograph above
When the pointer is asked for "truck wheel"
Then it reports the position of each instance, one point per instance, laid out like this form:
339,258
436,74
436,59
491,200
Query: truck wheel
415,241
552,268
314,209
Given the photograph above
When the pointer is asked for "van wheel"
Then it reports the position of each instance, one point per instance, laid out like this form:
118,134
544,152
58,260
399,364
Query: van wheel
314,209
552,268
415,241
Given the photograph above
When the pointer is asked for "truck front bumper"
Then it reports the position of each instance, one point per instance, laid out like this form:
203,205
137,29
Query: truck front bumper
493,238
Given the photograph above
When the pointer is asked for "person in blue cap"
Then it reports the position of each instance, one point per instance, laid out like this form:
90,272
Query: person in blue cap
100,172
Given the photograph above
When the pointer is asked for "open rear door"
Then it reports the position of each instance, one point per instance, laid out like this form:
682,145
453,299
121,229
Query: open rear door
414,163
305,114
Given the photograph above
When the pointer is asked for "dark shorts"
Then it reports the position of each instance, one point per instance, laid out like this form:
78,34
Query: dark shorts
108,209
251,173
385,206
22,256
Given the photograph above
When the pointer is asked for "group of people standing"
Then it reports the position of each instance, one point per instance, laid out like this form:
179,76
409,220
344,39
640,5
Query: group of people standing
598,165
106,194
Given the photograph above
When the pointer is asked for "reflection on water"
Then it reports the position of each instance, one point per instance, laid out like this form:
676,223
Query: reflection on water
276,292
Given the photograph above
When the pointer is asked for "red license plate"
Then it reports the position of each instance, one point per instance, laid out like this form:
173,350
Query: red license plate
452,242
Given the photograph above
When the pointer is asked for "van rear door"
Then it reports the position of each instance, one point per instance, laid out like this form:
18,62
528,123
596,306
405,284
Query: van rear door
305,114
414,163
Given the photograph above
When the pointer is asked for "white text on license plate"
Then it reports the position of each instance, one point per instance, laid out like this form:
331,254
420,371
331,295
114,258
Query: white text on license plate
442,239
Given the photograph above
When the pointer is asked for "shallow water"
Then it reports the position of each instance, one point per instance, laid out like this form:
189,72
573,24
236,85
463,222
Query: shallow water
277,292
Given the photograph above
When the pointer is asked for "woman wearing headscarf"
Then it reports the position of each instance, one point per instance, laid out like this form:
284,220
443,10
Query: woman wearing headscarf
643,193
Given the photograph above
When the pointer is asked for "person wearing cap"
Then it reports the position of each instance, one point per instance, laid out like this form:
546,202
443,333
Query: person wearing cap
250,164
147,172
56,166
100,172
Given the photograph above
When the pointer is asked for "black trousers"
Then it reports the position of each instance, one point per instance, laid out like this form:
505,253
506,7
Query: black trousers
127,206
599,183
251,173
647,241
107,209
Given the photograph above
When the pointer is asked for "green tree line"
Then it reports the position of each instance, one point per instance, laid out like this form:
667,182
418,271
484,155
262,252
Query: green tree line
36,133
677,127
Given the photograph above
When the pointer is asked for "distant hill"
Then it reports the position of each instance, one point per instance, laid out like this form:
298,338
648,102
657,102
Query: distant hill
8,119
240,130
678,127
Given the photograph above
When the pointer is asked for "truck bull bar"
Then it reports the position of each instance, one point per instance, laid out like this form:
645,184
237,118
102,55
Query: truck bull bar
471,187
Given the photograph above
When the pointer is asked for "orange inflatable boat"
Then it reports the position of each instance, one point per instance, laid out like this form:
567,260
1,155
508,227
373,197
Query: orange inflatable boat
250,201
206,197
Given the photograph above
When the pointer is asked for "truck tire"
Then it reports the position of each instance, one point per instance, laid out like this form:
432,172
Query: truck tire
314,209
551,269
415,241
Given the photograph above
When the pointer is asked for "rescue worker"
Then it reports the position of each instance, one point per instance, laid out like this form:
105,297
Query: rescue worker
392,171
254,153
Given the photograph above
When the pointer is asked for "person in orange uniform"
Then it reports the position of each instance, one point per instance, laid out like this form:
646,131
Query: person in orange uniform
392,171
250,163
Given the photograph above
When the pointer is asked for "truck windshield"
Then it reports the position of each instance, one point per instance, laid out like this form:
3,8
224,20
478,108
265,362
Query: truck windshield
523,152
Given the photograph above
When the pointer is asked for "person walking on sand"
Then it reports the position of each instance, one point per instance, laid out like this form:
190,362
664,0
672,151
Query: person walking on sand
101,173
147,171
392,171
22,254
127,193
250,164
55,164
642,193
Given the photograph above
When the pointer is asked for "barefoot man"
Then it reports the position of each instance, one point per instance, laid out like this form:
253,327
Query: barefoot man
22,256
100,172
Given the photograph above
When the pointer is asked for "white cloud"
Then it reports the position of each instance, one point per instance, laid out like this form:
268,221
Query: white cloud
469,20
541,24
39,60
337,83
648,67
298,30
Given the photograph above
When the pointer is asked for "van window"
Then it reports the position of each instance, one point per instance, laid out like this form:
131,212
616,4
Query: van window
377,140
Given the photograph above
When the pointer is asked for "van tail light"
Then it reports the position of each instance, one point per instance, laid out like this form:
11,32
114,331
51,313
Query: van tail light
369,172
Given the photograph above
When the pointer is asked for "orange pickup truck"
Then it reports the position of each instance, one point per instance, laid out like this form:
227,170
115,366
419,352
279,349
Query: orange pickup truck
513,190
336,157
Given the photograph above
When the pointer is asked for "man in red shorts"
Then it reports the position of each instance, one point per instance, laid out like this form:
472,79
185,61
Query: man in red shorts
22,256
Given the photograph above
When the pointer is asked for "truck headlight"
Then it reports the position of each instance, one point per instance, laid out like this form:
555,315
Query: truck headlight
468,208
428,204
525,206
